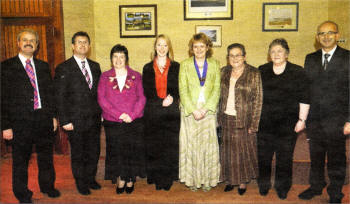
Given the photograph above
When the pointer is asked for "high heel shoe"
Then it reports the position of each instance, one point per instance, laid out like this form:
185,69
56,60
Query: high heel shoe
129,190
241,191
121,190
228,188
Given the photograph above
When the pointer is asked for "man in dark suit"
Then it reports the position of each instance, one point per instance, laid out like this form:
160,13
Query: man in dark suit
79,114
28,116
328,120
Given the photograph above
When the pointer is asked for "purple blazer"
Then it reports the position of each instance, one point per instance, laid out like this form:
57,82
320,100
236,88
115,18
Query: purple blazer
113,102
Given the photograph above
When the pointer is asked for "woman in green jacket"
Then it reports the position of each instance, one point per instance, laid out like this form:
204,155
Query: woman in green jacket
199,87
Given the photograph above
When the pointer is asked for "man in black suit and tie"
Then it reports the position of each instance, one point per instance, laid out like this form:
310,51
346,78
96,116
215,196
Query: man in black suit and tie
79,114
28,116
328,120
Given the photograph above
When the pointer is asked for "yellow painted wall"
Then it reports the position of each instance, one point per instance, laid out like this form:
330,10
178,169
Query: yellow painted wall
78,15
337,13
245,28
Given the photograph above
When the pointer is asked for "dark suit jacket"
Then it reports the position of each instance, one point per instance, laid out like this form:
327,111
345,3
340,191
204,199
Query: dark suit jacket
17,93
75,101
329,90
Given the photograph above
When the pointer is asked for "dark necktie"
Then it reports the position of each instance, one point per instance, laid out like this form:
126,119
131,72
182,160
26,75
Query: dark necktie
86,74
325,64
30,72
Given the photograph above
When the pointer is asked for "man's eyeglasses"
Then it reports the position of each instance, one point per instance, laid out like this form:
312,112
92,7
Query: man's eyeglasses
327,33
235,56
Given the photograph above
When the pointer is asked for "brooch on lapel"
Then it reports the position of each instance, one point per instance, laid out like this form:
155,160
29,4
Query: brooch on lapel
129,82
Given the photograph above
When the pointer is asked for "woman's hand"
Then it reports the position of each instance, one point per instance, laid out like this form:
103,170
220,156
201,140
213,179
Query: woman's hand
251,131
125,117
168,101
203,111
347,128
197,114
300,126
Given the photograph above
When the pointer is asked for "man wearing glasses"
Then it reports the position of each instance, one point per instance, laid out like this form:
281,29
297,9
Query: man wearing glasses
328,121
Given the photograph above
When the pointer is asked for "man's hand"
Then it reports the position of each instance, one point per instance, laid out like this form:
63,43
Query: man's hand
300,126
68,127
7,134
54,120
347,128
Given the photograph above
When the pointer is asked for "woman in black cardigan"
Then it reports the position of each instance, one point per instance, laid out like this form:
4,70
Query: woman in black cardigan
284,112
162,115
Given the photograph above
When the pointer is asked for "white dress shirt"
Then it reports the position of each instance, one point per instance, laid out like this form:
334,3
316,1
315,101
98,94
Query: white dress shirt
87,67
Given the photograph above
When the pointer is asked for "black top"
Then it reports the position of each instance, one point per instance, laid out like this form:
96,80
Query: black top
281,96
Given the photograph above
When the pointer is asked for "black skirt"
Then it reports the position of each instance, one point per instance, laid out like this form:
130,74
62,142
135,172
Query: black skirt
125,150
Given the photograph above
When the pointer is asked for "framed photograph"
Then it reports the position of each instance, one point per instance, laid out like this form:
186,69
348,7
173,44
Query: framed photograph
212,31
208,9
280,16
138,21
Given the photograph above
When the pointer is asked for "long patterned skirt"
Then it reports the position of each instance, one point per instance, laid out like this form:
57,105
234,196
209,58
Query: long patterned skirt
238,154
199,163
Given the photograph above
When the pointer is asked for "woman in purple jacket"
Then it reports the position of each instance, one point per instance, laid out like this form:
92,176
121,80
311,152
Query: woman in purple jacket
120,95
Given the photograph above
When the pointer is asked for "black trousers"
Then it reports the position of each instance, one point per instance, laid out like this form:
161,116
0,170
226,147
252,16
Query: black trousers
36,130
85,150
282,144
327,144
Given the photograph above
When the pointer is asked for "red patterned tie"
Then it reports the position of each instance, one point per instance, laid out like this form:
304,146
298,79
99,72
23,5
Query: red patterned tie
86,74
30,72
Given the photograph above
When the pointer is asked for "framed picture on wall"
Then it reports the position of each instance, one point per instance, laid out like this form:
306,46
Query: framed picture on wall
212,31
138,21
280,16
208,9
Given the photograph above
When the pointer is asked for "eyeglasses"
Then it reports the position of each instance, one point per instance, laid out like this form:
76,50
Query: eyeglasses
326,33
235,56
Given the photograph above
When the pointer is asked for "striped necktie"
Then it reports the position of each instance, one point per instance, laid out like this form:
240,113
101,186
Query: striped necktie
86,74
30,72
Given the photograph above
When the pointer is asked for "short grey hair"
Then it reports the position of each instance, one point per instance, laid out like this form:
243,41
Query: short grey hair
28,30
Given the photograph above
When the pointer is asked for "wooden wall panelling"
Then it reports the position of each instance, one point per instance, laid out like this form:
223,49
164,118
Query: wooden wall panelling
26,8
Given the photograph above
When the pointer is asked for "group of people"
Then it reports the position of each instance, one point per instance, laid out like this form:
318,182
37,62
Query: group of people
191,121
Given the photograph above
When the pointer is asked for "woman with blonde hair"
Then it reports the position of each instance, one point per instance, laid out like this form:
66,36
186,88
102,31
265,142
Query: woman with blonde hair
199,86
162,115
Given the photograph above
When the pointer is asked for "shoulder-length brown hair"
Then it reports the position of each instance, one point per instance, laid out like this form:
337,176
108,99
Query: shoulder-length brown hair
200,37
170,53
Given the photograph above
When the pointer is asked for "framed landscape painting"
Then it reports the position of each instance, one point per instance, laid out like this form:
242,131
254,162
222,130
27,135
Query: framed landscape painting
208,9
212,31
137,21
280,16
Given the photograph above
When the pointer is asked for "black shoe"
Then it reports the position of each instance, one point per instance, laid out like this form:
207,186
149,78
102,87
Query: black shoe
241,191
228,188
334,200
158,188
25,200
120,190
114,180
129,190
150,181
94,185
52,193
84,190
309,193
264,191
167,187
282,194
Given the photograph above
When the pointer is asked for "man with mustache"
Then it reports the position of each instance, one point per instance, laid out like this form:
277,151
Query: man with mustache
329,116
28,116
